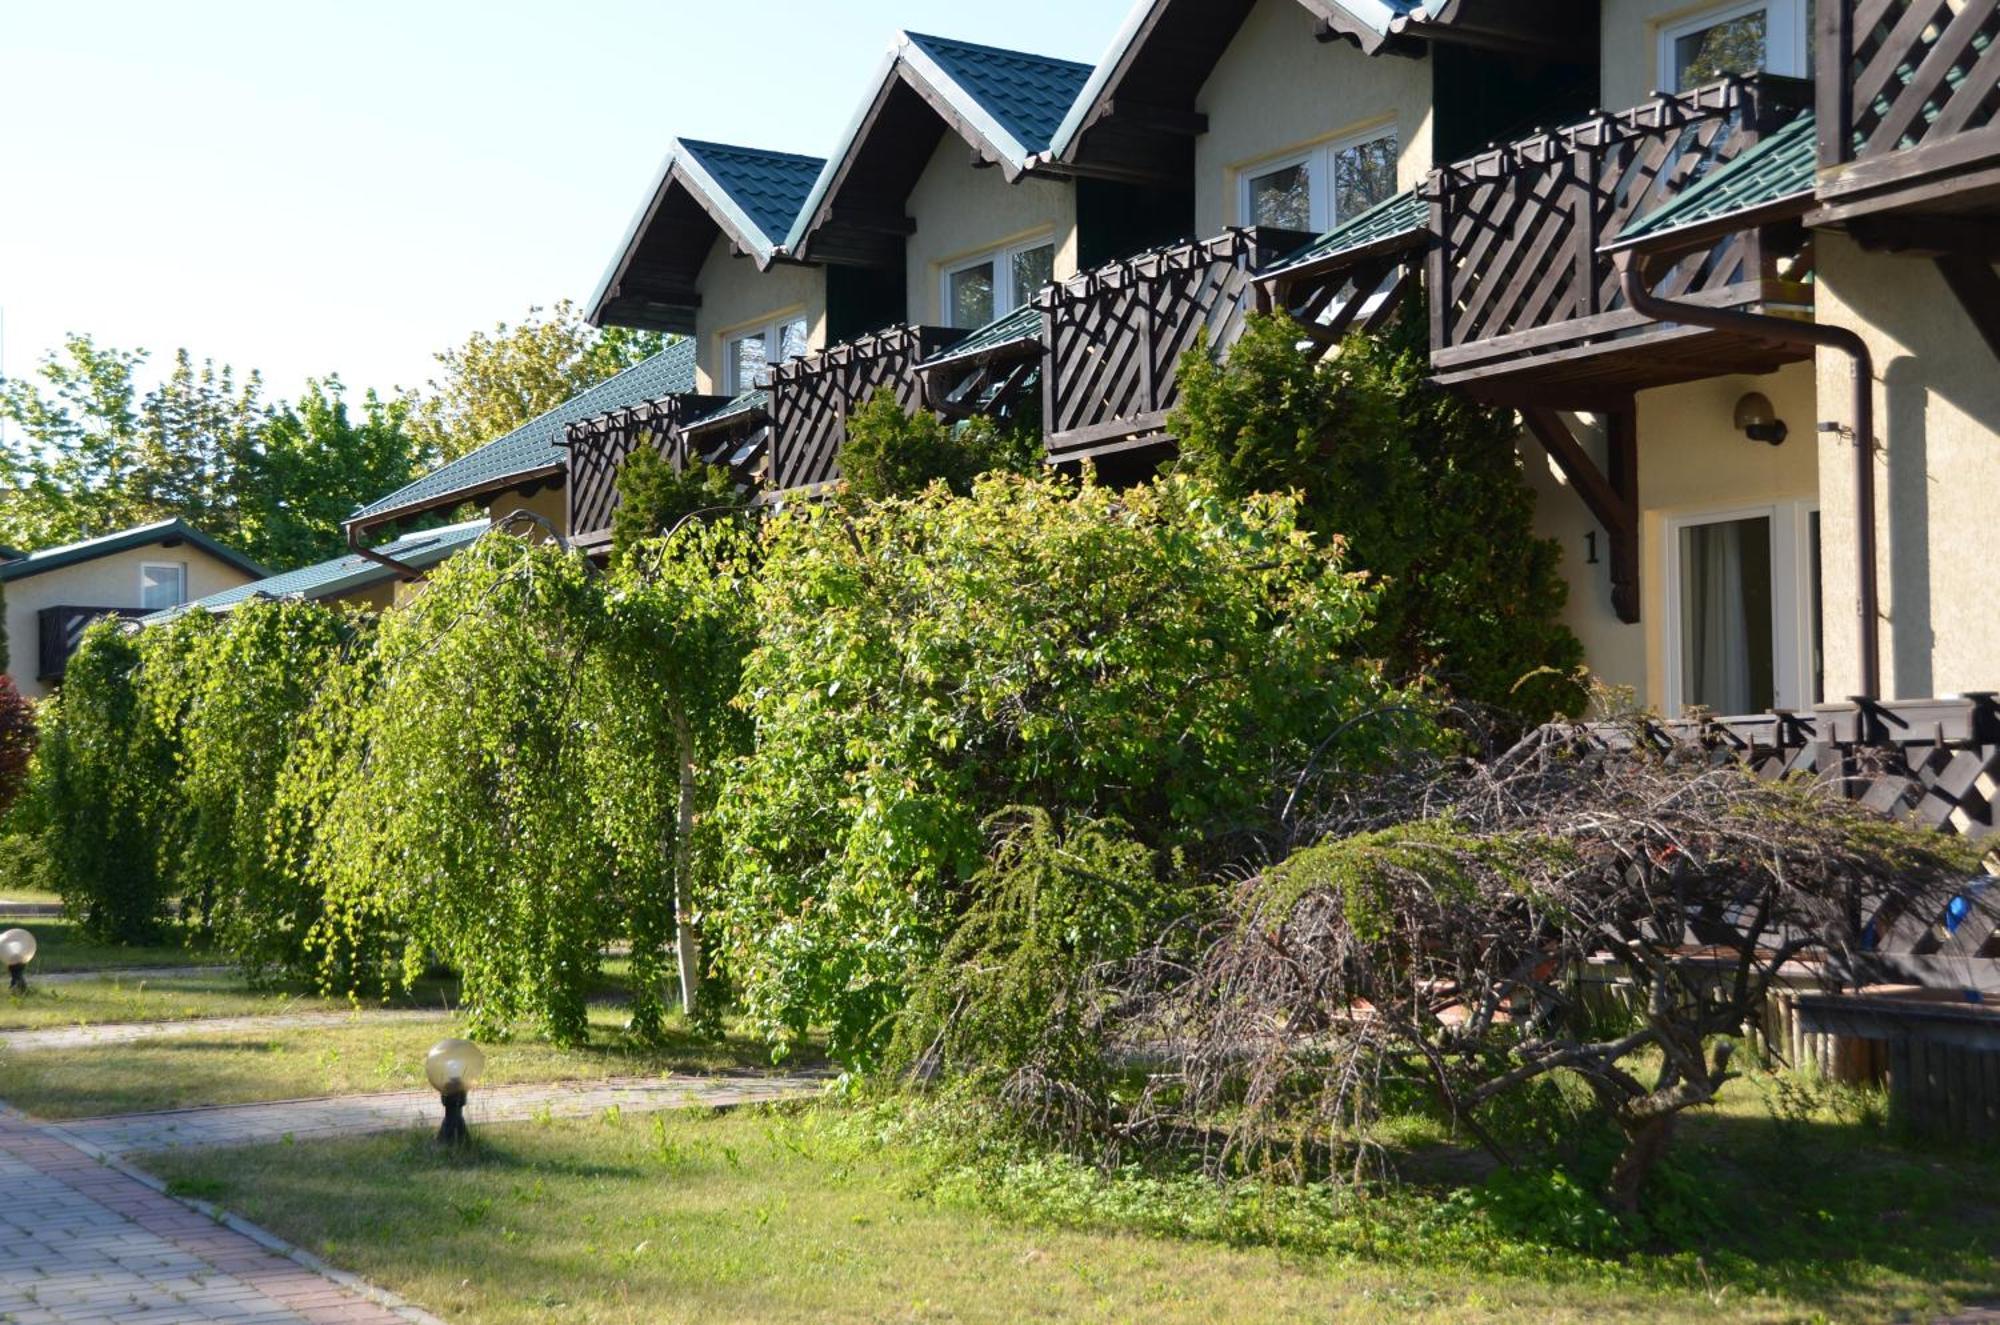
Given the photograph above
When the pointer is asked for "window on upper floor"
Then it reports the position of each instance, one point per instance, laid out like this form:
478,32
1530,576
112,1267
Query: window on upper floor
162,584
749,357
995,284
1317,190
1740,38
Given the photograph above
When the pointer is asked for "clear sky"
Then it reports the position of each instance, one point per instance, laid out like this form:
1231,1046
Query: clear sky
307,187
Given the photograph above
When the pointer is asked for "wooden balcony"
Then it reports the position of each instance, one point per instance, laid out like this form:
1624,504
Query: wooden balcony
599,447
812,397
1115,336
1909,120
62,631
1525,307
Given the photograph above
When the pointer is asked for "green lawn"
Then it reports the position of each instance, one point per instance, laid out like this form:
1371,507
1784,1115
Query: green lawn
183,996
354,1057
808,1216
59,946
12,896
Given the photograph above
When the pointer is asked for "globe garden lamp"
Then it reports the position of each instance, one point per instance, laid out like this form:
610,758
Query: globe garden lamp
452,1066
17,949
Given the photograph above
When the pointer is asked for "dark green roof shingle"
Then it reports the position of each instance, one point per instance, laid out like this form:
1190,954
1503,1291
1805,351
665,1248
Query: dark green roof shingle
537,444
1781,168
1405,215
1022,326
1028,94
769,187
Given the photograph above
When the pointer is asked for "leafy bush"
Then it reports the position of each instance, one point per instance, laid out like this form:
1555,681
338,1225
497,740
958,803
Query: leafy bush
1424,489
1150,657
17,739
891,452
235,692
98,781
653,497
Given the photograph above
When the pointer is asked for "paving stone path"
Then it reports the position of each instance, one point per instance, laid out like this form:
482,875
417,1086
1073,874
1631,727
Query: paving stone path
352,1115
89,1242
124,1032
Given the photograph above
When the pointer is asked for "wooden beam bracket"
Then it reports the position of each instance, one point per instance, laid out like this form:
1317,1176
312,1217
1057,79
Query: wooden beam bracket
1611,494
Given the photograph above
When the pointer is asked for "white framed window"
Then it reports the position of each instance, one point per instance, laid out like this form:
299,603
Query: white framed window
1740,38
1319,189
992,285
162,584
1743,632
747,358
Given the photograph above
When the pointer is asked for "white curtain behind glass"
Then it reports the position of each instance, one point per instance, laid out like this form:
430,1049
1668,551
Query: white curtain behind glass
1725,589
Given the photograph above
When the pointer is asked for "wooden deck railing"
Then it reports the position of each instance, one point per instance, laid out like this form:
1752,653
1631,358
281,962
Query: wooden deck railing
599,447
1517,282
1909,103
812,397
1116,335
62,631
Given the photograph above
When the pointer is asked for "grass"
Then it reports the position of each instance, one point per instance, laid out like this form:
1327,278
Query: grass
61,946
355,1057
11,895
776,1216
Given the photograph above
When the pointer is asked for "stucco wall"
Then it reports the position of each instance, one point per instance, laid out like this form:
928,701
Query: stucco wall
1937,476
1276,90
737,298
962,212
110,581
552,504
1691,460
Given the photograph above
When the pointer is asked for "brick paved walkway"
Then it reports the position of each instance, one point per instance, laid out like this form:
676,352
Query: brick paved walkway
351,1115
124,1032
83,1242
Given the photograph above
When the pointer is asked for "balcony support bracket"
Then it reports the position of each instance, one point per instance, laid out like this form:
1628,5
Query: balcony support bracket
1611,494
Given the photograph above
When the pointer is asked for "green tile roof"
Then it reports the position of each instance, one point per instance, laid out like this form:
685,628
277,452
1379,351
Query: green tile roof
747,403
1406,214
1028,94
1022,326
769,188
125,540
341,575
538,444
1778,169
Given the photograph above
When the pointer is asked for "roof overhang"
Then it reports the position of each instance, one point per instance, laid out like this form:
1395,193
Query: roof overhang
164,533
538,477
856,212
651,284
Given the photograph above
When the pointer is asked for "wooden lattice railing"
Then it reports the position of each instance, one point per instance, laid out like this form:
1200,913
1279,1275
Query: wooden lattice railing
1116,335
62,631
1515,268
598,448
1909,98
812,397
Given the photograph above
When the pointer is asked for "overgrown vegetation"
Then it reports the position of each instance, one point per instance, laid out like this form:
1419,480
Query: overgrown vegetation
654,497
17,740
891,452
1422,489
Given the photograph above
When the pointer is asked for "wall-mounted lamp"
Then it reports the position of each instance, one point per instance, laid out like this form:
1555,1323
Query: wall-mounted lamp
1757,420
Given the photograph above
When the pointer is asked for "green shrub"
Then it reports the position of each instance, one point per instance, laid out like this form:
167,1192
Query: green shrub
1152,657
653,497
17,740
1424,489
891,452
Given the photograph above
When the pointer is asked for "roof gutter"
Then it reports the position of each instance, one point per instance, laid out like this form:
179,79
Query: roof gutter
361,549
1787,331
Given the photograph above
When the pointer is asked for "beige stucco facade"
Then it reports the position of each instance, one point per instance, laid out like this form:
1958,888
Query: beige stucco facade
1937,477
737,299
1692,462
963,212
1277,91
107,581
550,503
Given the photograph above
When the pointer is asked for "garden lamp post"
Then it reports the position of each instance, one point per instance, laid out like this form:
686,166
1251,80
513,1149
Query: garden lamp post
452,1066
17,949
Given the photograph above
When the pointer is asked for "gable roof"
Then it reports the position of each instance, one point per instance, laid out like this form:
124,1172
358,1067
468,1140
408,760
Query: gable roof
341,575
161,532
535,449
1005,104
1137,113
748,194
1773,180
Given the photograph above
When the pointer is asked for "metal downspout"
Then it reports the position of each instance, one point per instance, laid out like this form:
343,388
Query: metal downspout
356,546
1639,294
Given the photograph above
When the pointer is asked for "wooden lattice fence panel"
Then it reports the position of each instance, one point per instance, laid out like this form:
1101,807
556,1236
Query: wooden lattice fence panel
1516,264
1116,335
1918,73
812,397
599,447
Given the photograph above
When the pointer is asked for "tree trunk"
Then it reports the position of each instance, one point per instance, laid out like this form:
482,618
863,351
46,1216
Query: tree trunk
687,939
1645,1143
